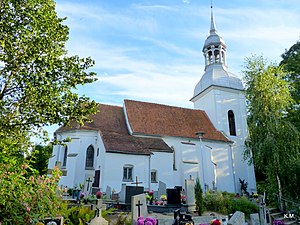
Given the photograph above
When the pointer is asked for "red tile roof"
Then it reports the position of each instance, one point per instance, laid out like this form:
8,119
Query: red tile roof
162,120
110,121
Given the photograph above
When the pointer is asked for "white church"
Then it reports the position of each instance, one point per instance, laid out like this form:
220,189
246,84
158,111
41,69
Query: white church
154,142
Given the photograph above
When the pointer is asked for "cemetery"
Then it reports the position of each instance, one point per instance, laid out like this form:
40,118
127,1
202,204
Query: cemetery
134,205
146,162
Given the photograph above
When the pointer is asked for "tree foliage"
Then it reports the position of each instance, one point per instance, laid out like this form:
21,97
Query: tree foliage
37,77
39,157
291,64
37,84
199,197
273,142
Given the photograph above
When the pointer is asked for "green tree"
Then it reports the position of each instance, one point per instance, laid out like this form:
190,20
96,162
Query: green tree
37,84
37,77
199,197
291,63
273,142
38,159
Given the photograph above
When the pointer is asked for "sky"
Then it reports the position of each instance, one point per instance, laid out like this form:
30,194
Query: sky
151,50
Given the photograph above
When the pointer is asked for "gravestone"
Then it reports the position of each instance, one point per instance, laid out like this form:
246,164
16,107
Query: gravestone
138,207
95,190
131,191
162,189
54,221
254,219
98,219
238,218
108,191
182,218
88,184
156,195
174,196
190,194
122,193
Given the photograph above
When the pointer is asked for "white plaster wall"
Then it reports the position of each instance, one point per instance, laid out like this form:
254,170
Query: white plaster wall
203,153
112,173
75,166
217,101
224,167
163,163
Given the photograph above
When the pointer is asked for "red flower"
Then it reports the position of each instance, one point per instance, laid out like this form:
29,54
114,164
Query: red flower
98,194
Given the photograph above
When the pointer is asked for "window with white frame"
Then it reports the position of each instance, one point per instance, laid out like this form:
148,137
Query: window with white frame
153,176
128,173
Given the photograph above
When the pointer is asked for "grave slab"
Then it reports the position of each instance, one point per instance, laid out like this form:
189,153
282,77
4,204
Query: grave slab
138,207
108,191
131,191
190,194
254,219
98,219
162,189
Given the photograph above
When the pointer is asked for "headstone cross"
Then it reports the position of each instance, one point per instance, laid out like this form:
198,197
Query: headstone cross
98,206
139,204
88,184
136,182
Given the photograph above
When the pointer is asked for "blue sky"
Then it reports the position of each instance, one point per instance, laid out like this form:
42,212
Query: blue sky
151,50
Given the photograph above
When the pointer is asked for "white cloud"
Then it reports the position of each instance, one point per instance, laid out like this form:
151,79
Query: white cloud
153,52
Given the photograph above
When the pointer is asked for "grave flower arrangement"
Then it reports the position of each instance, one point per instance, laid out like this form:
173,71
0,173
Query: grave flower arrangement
98,194
255,195
163,198
149,197
183,199
82,195
215,222
278,222
146,221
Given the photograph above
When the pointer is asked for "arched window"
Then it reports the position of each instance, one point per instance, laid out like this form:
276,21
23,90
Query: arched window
128,172
153,176
174,158
210,58
89,161
64,164
217,56
223,57
231,121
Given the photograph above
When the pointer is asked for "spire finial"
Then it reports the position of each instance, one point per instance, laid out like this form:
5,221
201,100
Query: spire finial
212,23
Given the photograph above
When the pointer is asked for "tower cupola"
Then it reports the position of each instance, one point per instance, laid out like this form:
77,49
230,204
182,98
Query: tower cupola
216,70
214,48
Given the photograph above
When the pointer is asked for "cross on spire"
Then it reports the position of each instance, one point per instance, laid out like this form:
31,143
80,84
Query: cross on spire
212,22
136,182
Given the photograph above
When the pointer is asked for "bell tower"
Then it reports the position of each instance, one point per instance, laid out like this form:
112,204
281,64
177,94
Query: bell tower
220,94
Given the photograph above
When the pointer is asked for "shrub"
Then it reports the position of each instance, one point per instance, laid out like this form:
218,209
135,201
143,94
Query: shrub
225,203
217,201
199,197
78,215
243,205
26,199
